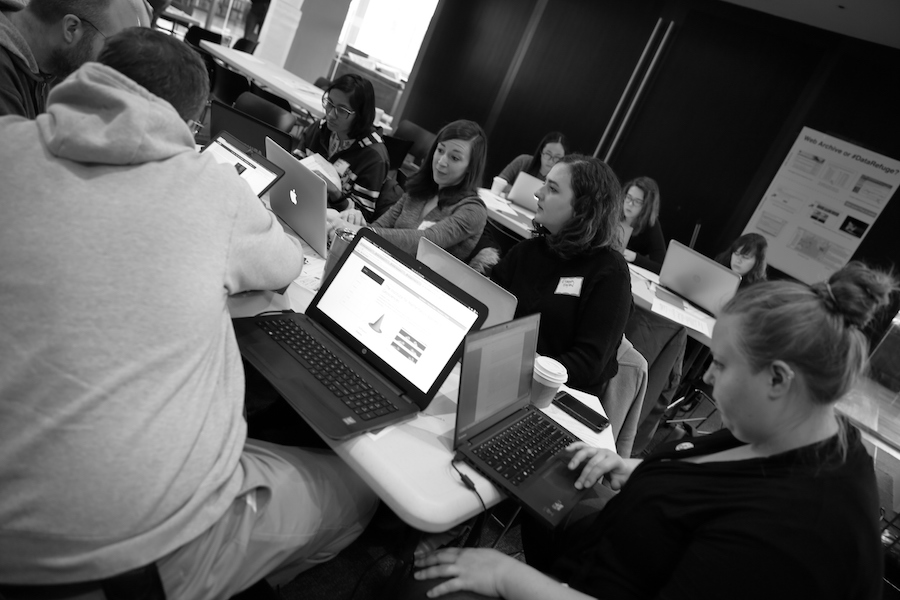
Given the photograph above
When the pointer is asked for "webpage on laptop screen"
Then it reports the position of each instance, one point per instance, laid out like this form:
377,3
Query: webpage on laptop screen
257,176
408,322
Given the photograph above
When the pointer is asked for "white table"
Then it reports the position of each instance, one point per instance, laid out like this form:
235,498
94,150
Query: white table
503,212
408,465
699,325
302,95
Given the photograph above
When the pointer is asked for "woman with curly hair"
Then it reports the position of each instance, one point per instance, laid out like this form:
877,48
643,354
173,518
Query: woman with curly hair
573,272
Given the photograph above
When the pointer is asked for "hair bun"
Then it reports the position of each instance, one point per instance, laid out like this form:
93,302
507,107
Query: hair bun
856,292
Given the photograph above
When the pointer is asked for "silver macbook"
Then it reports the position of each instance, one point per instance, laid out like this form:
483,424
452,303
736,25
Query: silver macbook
501,304
299,198
523,191
696,278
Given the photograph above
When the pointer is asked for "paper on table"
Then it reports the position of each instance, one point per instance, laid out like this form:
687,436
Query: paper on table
680,316
492,202
642,272
318,165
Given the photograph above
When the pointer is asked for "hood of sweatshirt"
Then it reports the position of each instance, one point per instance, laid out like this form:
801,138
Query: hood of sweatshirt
97,115
10,38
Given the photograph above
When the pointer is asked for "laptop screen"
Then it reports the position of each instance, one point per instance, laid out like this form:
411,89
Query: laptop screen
495,378
259,173
393,311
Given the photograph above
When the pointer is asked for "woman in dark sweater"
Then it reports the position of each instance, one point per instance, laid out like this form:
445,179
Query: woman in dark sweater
781,503
640,204
573,272
348,138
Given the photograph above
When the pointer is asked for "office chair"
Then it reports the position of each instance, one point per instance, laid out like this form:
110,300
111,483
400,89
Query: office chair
227,85
397,150
421,138
245,45
195,34
273,98
266,111
623,398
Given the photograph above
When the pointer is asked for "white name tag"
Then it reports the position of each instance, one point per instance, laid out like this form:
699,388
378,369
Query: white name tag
570,286
426,225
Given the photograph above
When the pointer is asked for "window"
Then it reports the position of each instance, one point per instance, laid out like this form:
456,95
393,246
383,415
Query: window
389,31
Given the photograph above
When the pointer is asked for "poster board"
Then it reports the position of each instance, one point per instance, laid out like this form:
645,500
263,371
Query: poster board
822,203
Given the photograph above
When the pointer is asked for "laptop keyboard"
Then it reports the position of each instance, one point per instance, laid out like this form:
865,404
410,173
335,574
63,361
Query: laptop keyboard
331,371
522,448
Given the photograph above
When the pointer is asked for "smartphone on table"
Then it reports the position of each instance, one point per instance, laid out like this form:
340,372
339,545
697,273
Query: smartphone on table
581,412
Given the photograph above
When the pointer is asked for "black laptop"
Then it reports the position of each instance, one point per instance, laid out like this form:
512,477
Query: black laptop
244,127
501,434
374,346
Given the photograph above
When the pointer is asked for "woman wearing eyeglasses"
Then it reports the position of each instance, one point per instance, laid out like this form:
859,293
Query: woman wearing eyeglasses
646,247
441,202
549,152
348,138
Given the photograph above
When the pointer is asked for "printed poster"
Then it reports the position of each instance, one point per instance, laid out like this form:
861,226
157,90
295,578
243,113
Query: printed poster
822,204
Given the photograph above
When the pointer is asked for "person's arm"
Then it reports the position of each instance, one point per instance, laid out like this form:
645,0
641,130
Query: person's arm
604,314
366,181
261,255
491,573
650,249
449,231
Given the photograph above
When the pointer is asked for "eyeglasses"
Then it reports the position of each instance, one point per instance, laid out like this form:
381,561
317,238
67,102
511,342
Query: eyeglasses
629,199
737,254
551,158
97,29
328,105
195,126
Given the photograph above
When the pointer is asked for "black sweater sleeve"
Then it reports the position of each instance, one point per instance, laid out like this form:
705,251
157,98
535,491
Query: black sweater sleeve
650,248
582,324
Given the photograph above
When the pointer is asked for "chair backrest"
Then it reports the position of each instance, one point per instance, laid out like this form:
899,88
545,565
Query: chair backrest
245,45
227,85
421,139
624,396
397,150
273,98
266,111
195,34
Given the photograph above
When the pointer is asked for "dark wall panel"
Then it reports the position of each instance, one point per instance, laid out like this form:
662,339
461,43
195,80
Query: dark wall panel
572,76
463,65
719,99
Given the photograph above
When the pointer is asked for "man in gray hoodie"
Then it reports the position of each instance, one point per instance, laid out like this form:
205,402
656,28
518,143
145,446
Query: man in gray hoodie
42,41
123,445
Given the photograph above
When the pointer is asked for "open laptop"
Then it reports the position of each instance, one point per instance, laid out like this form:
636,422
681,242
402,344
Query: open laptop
253,167
501,304
391,330
244,127
299,198
700,280
523,190
495,420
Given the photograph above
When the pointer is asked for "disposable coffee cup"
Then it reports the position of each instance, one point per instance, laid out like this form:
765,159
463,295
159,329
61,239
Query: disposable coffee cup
342,239
498,186
549,374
